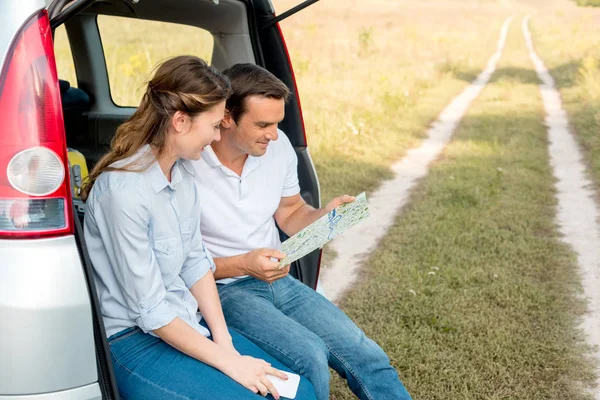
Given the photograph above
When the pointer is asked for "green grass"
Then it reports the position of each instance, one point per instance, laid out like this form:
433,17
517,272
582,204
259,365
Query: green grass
471,293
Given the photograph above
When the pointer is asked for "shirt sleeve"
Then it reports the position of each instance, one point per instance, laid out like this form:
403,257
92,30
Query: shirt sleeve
199,260
123,223
291,186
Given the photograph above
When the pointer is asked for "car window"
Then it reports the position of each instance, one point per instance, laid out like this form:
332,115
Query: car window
133,46
64,59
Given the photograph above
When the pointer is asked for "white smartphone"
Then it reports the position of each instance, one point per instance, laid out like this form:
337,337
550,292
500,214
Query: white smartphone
287,388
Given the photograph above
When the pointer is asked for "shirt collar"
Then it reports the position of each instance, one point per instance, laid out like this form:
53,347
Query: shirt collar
159,181
211,159
250,165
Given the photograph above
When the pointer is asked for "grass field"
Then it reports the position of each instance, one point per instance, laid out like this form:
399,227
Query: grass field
471,293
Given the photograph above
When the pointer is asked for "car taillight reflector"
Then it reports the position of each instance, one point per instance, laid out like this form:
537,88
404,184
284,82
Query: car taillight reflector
35,196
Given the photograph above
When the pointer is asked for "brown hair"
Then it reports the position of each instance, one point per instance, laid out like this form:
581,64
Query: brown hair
184,83
252,80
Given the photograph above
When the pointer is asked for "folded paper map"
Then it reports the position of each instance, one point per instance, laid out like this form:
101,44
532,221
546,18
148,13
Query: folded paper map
324,229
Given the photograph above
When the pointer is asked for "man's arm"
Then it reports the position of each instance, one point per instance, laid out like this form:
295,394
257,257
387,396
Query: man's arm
256,263
228,267
293,214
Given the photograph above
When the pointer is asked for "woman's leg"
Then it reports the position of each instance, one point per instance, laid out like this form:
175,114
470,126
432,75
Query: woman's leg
148,368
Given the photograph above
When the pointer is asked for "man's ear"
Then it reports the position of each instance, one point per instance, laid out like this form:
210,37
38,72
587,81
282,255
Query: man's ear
228,121
178,121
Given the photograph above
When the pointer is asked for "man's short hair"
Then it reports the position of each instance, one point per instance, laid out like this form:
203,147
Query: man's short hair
252,80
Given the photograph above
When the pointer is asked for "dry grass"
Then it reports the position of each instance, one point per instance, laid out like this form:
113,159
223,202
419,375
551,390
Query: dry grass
373,75
472,294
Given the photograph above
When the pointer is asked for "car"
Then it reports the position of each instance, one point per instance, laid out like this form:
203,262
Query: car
52,131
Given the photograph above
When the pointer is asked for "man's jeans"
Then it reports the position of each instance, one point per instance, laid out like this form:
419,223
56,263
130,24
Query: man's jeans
308,333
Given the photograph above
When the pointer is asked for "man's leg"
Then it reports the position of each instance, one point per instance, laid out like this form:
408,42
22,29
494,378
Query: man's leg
354,356
248,308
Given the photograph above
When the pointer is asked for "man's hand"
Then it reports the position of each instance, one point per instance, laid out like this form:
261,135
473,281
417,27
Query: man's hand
259,265
338,201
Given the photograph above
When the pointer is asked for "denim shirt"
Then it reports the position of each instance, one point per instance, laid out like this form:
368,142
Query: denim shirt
144,240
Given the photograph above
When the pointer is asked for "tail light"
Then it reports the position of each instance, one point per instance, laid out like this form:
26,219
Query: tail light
35,195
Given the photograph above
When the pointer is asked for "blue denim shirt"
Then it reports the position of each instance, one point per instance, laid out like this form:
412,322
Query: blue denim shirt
144,241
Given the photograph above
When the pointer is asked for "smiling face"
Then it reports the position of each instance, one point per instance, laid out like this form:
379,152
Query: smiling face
257,126
190,135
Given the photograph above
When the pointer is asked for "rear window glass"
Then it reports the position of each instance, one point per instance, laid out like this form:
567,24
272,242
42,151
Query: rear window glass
132,47
64,58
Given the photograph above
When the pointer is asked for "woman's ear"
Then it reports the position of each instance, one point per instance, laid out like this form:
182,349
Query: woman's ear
178,121
228,121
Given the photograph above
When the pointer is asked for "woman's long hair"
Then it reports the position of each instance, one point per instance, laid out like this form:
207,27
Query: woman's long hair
184,83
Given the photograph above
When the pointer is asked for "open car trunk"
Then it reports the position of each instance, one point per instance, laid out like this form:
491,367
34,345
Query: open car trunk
236,28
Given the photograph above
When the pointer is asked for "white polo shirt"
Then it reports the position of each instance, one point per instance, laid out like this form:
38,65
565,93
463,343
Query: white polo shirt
237,211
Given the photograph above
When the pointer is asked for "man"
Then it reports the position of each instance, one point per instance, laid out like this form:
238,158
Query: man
249,181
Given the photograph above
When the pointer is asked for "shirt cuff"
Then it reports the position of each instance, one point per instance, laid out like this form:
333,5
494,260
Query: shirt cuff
155,317
194,273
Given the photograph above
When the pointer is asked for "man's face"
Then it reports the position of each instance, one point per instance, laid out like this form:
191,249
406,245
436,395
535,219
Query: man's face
258,125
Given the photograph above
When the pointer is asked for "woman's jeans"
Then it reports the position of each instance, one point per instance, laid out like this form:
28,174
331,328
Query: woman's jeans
147,368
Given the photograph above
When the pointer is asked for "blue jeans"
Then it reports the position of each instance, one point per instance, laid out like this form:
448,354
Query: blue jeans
308,333
147,368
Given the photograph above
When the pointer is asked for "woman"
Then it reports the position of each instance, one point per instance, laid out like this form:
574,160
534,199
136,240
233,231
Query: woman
152,271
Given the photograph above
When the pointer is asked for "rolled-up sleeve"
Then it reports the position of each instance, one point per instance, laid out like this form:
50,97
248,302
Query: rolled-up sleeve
123,223
198,262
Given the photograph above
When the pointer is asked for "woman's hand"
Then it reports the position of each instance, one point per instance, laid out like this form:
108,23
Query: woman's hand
252,374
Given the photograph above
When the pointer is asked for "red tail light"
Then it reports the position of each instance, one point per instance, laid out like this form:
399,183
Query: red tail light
287,54
35,195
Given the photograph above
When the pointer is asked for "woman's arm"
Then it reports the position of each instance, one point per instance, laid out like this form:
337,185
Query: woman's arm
248,371
206,294
186,339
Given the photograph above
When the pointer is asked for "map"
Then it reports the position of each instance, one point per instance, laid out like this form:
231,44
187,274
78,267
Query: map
324,229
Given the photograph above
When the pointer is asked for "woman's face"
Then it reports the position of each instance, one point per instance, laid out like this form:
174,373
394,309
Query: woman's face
192,135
